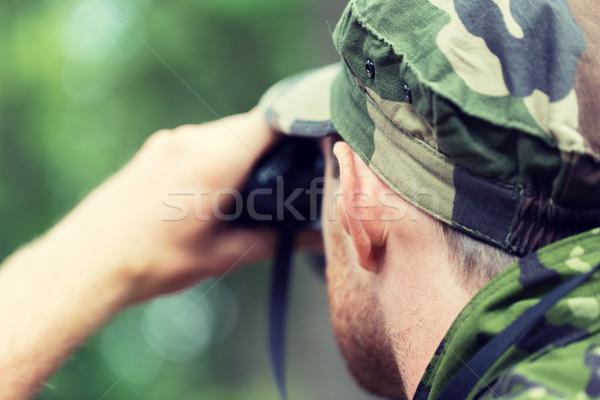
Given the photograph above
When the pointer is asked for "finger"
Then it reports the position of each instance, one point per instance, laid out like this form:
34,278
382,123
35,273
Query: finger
235,248
264,242
245,246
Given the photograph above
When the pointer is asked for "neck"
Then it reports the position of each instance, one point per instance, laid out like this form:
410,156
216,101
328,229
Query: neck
421,298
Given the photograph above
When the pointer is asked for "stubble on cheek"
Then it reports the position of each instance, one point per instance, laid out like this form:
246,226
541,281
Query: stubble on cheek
358,321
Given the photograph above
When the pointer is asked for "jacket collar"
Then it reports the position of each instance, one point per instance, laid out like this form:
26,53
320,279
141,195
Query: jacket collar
507,296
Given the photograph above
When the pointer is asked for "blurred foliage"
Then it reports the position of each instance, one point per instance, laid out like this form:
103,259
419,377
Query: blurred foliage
82,84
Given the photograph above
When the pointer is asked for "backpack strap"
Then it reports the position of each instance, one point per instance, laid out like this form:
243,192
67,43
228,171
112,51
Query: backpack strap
472,372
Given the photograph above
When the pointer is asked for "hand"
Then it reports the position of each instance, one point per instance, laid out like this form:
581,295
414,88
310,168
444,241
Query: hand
153,224
125,243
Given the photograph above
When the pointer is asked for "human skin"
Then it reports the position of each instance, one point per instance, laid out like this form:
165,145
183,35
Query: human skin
393,288
121,245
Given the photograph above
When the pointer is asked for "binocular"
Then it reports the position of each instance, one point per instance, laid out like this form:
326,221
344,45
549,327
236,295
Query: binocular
284,192
285,188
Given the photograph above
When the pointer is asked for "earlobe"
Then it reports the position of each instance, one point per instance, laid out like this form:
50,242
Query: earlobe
357,206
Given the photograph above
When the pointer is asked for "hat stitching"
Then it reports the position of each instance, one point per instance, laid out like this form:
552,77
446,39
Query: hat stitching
534,130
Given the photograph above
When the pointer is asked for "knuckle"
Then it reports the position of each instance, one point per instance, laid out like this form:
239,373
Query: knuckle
164,141
158,137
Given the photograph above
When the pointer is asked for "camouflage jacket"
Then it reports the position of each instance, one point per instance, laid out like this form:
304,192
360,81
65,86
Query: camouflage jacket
560,359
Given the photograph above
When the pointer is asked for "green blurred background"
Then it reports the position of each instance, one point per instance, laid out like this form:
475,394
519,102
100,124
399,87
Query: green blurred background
81,86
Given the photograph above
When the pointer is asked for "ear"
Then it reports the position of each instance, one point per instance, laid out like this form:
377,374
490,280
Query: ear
358,206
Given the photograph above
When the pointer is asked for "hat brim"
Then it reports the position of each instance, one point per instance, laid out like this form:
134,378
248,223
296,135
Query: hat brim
300,105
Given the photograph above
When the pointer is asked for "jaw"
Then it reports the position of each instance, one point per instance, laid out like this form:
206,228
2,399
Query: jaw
359,325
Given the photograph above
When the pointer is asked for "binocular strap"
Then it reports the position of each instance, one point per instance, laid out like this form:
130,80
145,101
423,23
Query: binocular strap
280,280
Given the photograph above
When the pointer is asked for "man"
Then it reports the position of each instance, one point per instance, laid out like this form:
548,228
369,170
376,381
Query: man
470,140
465,189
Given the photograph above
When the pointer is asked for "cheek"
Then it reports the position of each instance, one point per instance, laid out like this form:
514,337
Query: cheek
337,270
332,236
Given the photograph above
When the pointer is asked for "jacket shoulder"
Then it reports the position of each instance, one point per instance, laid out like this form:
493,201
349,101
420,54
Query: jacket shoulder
570,372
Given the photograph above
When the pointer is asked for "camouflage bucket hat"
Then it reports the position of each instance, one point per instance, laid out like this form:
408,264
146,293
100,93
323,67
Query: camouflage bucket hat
485,115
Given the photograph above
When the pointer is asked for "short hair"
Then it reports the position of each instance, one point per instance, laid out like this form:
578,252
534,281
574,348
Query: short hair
474,261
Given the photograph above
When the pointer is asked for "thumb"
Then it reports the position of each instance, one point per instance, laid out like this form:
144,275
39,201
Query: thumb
255,245
237,247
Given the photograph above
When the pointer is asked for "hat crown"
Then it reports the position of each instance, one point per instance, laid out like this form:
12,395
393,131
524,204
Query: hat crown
492,116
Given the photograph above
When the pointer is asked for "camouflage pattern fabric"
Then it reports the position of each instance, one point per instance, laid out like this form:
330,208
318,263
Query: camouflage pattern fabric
300,105
560,359
471,114
484,114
